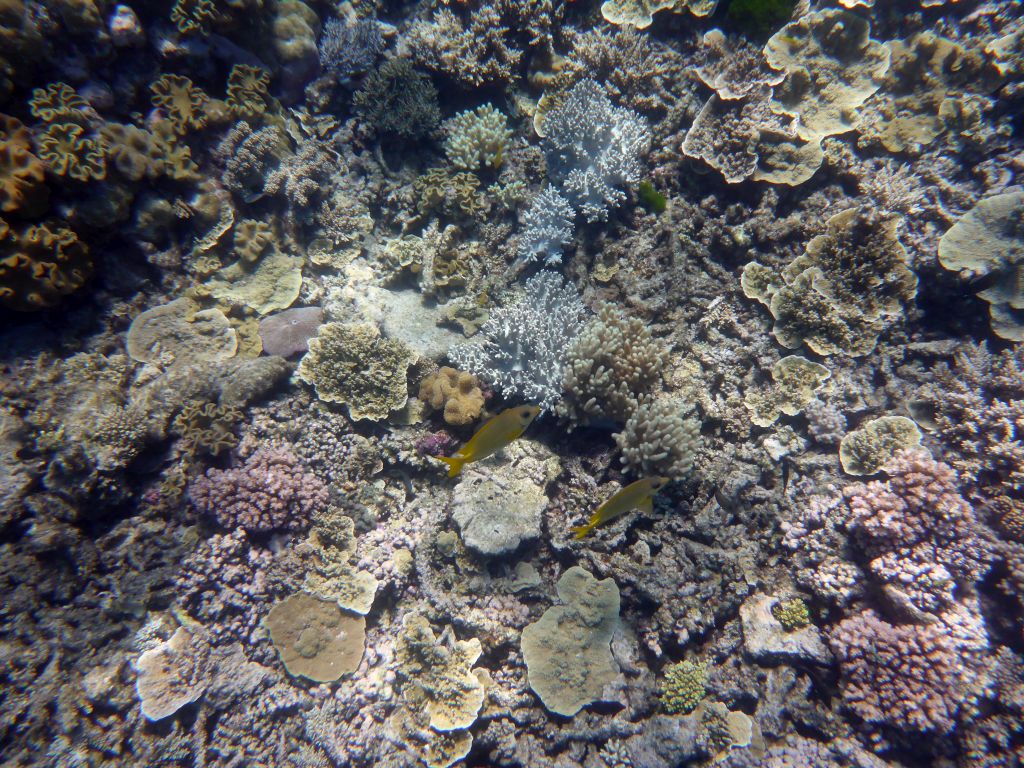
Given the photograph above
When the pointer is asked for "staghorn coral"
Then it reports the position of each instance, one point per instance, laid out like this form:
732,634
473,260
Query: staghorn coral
456,393
39,265
396,100
523,346
477,138
474,53
247,91
568,659
613,365
352,365
270,491
659,439
67,151
184,104
867,450
314,638
22,174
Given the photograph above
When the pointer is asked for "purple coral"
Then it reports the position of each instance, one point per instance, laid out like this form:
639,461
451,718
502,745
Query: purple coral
270,491
920,533
912,676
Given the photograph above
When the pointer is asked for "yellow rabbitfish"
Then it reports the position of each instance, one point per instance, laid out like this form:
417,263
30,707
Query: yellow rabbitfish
638,495
491,437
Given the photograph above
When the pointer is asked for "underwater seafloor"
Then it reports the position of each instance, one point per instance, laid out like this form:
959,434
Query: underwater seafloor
261,260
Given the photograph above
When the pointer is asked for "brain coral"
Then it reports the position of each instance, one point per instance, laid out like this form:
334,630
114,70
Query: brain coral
568,658
354,366
39,265
989,240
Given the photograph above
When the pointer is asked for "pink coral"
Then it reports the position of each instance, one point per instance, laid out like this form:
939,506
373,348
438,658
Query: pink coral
912,676
920,533
270,491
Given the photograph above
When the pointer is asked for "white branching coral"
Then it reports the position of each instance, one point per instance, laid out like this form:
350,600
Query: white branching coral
477,138
547,228
660,438
521,349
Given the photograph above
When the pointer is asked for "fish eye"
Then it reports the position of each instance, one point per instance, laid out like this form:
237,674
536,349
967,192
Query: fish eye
525,413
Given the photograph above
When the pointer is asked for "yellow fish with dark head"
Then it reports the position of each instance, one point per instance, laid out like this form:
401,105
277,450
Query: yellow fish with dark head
638,495
494,435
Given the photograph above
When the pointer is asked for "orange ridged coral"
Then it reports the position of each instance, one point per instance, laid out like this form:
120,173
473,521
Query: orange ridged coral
22,190
67,151
57,101
40,265
184,104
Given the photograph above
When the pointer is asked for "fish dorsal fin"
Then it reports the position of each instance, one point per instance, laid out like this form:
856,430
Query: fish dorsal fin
646,504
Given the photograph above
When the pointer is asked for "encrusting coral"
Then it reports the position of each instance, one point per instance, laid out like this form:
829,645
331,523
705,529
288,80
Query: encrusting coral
353,366
567,652
314,638
867,450
171,675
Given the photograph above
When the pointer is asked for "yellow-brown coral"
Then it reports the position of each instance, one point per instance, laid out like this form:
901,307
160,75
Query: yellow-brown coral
191,16
456,392
67,151
248,91
40,265
183,102
135,153
22,190
58,101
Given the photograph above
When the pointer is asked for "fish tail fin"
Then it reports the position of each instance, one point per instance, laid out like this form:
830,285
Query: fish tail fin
454,464
582,530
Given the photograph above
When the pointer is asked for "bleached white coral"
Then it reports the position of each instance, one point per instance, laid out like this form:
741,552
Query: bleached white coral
547,227
477,138
521,349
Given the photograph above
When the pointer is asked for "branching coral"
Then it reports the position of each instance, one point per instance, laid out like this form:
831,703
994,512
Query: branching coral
397,100
659,438
67,151
349,49
184,104
475,53
354,366
683,687
522,352
477,138
613,365
547,228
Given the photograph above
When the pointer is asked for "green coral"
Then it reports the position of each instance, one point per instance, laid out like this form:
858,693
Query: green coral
683,687
396,100
792,614
352,365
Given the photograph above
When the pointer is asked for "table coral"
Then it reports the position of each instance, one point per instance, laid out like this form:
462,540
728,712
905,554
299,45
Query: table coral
567,652
795,380
67,151
39,265
352,365
314,638
868,449
270,491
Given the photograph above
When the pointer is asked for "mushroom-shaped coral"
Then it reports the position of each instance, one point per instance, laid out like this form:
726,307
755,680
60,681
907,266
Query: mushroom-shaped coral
988,240
67,151
659,438
247,92
352,365
22,190
831,66
314,638
457,393
58,101
134,153
192,16
39,265
795,380
171,675
182,102
181,332
866,450
568,656
439,674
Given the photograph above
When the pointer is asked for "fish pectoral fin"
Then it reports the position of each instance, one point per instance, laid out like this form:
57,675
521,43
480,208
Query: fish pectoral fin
646,505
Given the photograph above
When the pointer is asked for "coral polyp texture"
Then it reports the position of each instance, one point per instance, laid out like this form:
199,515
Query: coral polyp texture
323,325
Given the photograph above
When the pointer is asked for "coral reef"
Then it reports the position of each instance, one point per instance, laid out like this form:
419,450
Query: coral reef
659,438
314,638
477,138
456,393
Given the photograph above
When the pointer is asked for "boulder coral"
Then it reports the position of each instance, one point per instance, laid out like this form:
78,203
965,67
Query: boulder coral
456,393
568,659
